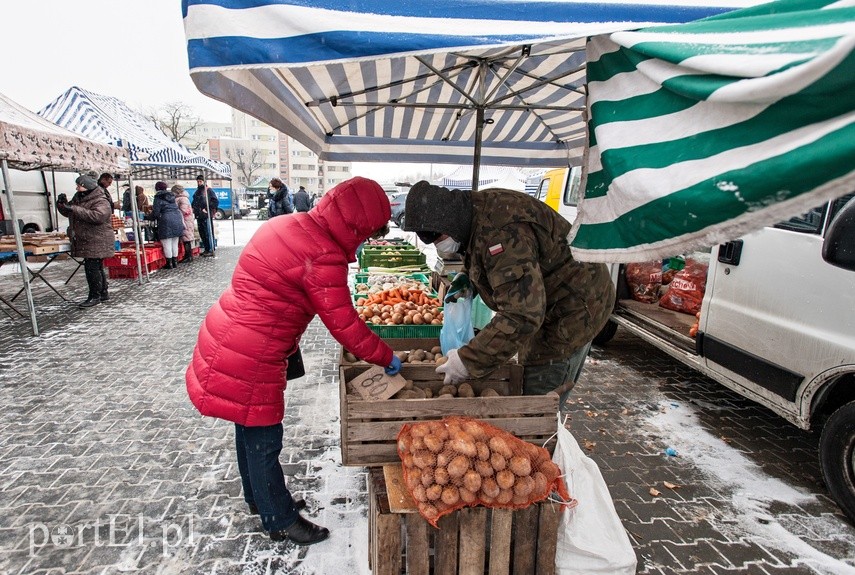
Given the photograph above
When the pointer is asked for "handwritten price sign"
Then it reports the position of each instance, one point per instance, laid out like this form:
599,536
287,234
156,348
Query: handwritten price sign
375,385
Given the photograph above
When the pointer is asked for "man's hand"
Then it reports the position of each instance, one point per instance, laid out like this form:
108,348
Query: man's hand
394,367
453,369
459,288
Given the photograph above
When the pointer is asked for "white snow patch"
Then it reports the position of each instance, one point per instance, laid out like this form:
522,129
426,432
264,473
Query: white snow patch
751,489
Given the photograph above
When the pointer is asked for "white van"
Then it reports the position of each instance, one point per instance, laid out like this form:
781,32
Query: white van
777,325
34,199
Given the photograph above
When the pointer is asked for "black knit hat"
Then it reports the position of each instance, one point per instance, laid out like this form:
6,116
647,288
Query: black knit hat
160,186
439,210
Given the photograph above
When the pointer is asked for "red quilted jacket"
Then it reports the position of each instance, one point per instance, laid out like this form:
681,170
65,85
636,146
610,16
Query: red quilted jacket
294,267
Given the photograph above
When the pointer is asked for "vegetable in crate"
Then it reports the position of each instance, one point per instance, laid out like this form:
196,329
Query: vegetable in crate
458,462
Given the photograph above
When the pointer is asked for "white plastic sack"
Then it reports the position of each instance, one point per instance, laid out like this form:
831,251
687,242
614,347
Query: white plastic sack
591,537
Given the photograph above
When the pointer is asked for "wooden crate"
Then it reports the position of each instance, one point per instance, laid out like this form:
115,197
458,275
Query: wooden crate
369,429
471,541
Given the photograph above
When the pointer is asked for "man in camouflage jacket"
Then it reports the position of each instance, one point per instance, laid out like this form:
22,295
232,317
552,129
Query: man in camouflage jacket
548,306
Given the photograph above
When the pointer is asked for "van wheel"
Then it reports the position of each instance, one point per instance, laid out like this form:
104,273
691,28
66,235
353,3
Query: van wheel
837,457
606,334
30,229
219,215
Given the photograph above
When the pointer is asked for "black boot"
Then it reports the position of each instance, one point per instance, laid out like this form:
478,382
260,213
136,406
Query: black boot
302,532
173,263
93,300
188,252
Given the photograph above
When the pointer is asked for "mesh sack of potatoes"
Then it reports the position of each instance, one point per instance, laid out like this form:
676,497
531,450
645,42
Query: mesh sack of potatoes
457,462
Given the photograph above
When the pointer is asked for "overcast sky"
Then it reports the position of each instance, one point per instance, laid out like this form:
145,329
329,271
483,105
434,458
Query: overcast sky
131,49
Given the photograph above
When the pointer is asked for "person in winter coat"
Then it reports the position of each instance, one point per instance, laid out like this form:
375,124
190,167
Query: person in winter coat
204,210
292,269
170,222
302,200
182,200
91,233
280,201
142,200
548,306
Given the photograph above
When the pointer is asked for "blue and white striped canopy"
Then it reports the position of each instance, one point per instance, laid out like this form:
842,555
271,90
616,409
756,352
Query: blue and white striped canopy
412,81
108,120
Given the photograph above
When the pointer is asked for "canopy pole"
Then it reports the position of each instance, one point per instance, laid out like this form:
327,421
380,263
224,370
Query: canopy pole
476,161
19,245
55,209
235,211
136,220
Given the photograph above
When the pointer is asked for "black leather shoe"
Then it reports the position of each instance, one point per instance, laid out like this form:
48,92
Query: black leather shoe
90,302
105,297
302,532
299,505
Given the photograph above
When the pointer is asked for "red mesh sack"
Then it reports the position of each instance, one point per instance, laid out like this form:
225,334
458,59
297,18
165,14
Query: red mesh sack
644,279
460,462
686,291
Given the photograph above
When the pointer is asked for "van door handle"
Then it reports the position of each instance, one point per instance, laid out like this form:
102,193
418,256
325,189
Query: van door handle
730,252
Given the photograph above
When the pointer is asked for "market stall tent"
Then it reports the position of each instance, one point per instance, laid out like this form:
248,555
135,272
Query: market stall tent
29,142
494,176
394,82
447,81
153,154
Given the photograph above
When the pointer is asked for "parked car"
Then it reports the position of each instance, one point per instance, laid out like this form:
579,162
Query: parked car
397,202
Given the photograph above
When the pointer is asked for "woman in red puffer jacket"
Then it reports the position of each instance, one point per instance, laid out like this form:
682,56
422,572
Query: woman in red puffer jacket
292,269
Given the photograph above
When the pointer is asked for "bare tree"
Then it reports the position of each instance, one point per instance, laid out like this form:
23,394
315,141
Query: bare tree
177,120
247,162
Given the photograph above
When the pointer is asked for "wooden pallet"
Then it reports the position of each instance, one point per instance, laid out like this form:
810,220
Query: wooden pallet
369,429
471,541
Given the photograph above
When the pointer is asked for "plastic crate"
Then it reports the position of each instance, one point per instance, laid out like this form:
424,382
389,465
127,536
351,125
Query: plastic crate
405,331
123,272
362,277
385,260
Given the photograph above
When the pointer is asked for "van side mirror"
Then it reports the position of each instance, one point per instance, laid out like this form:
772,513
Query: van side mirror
838,248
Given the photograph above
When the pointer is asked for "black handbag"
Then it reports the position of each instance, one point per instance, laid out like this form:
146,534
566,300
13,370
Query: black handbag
295,366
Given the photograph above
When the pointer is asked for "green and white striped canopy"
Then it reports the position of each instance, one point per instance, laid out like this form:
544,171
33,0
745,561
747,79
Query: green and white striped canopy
701,132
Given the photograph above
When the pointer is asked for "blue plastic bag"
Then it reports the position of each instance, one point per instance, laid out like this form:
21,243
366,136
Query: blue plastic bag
457,325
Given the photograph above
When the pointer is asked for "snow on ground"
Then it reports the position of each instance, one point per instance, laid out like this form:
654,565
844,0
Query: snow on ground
752,491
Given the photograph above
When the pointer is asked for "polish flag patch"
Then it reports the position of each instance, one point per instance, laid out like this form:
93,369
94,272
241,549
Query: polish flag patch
496,249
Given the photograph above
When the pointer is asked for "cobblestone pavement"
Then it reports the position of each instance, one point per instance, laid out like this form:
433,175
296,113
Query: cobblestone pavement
105,467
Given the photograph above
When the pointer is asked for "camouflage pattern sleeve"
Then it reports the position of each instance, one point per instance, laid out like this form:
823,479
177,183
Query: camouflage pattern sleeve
509,257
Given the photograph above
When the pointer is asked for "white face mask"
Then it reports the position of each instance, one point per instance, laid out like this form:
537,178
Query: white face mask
447,247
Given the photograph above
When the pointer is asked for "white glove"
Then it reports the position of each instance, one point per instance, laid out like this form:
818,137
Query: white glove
453,369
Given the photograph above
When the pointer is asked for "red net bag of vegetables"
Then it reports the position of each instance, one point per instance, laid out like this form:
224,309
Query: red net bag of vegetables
686,291
644,280
457,462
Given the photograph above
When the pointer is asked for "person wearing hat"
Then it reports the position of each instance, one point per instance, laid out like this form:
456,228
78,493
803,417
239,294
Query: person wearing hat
170,222
548,306
91,233
182,200
205,205
291,270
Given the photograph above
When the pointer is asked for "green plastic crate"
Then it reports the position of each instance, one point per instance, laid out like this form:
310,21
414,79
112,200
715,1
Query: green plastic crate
362,277
409,331
383,260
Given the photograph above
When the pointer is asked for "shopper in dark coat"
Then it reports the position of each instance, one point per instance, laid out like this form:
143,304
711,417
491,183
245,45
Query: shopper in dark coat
170,222
204,212
302,201
91,233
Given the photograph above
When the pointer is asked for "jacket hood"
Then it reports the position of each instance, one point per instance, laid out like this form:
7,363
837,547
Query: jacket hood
165,195
352,211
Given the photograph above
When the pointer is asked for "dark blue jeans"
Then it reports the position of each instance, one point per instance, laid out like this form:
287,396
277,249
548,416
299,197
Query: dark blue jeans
261,475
